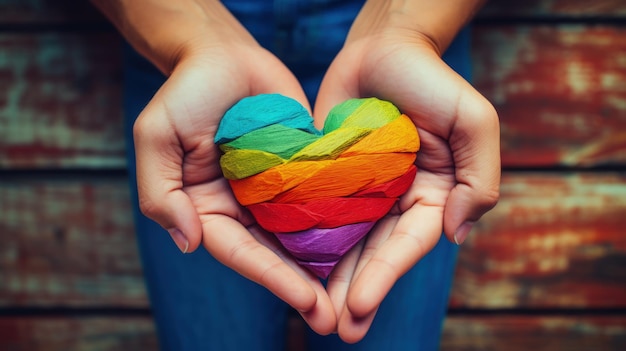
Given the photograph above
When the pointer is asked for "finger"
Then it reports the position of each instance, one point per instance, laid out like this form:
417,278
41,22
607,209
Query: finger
341,276
415,234
475,145
351,328
233,245
256,257
159,157
321,318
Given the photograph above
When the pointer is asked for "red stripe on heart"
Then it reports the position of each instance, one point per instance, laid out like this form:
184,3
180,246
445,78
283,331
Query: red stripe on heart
322,213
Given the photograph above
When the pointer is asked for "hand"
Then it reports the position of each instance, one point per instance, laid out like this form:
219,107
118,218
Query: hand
458,163
179,179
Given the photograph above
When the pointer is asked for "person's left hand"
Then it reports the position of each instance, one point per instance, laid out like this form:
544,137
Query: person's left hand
458,163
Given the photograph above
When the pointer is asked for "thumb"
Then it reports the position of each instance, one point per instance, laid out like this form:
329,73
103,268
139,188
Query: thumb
475,145
159,158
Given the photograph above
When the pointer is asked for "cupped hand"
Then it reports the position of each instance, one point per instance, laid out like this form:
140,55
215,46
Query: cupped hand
180,182
458,163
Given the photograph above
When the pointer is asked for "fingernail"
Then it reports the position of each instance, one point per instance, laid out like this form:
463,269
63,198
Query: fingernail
180,239
462,231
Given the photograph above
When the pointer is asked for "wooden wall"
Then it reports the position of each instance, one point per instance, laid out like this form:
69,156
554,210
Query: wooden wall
544,270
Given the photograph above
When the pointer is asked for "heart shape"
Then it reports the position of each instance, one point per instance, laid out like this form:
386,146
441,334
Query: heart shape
319,192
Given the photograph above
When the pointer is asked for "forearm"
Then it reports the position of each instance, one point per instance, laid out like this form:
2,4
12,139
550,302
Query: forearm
163,31
437,20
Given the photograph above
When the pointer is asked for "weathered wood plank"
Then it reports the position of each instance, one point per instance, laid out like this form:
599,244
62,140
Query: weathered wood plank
537,333
485,333
554,241
548,8
68,244
60,104
81,11
62,333
101,333
560,92
37,12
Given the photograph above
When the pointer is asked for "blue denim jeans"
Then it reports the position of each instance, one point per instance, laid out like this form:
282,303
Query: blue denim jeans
199,304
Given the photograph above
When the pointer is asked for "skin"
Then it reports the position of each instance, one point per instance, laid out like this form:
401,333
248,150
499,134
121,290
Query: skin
392,52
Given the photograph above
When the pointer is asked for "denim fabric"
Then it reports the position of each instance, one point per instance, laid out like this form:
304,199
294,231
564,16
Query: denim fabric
199,304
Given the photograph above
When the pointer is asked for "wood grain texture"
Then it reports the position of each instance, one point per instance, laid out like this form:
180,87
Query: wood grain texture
537,333
66,333
551,8
55,12
554,241
68,244
461,333
82,12
560,92
61,101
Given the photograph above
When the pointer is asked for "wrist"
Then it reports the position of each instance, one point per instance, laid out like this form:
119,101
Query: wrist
434,23
166,32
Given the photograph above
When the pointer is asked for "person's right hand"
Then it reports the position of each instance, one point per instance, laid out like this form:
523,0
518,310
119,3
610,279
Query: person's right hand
212,63
393,52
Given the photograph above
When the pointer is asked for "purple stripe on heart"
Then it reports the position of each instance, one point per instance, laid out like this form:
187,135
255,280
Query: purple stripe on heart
320,269
319,247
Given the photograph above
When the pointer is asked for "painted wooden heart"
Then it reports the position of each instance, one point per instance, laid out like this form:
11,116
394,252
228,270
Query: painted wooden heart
319,192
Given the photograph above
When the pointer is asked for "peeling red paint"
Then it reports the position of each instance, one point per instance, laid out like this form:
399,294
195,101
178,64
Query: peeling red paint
560,92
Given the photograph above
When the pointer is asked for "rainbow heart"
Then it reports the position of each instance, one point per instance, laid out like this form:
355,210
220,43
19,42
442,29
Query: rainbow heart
319,192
